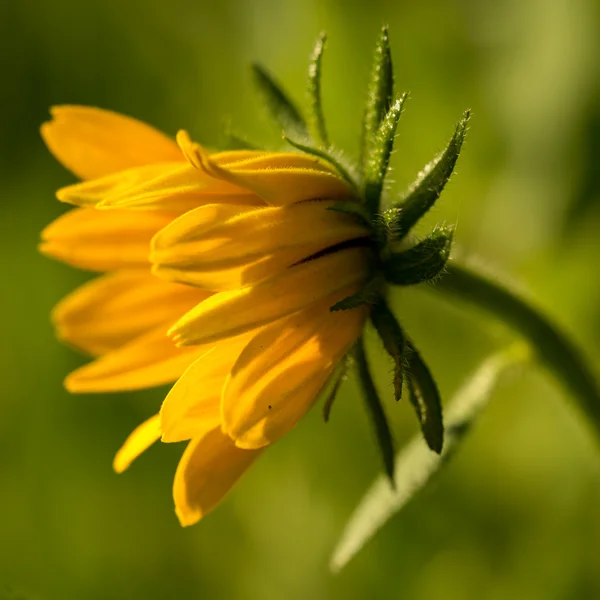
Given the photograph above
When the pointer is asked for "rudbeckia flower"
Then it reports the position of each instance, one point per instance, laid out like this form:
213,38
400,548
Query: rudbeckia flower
244,277
247,261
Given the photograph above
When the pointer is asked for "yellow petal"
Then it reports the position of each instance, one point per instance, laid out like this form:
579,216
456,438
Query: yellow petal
232,276
166,186
92,142
114,309
140,439
224,247
148,361
202,413
281,186
103,240
230,313
280,373
197,156
209,467
194,401
227,157
279,178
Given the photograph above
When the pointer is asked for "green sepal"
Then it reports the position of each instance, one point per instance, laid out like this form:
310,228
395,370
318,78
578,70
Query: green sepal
378,158
368,294
393,339
280,107
380,93
316,119
338,378
323,155
425,397
428,186
382,428
425,261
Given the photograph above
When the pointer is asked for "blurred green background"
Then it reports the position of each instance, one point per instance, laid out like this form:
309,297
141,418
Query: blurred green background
517,514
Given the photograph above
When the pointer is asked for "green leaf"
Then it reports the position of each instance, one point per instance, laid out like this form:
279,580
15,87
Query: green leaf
393,339
423,262
316,119
380,92
425,397
369,294
429,184
378,158
279,106
555,350
382,429
416,465
323,155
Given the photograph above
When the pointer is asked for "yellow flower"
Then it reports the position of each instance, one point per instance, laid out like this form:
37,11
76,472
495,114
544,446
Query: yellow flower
220,273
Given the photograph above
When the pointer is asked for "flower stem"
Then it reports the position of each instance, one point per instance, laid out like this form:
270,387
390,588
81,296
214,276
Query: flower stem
551,345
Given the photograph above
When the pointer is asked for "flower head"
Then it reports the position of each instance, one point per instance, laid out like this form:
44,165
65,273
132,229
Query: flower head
250,337
243,276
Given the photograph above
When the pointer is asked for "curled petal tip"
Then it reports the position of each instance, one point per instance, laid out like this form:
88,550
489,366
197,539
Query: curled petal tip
245,444
118,466
62,195
193,152
70,384
186,520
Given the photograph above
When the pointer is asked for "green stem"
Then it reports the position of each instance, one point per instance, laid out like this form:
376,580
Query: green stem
553,347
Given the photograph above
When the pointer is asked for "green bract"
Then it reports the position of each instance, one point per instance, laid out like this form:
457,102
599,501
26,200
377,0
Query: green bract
399,260
316,119
380,94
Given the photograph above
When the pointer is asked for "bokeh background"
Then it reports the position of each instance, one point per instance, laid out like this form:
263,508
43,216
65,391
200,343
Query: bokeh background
517,514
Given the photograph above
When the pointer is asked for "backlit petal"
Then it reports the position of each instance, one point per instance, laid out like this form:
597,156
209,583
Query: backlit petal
195,399
230,313
223,247
140,439
281,371
279,178
114,309
197,156
92,142
232,275
227,157
209,467
166,186
199,417
103,240
148,361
